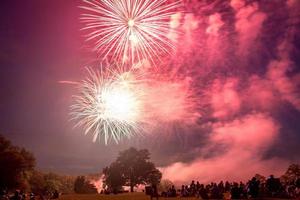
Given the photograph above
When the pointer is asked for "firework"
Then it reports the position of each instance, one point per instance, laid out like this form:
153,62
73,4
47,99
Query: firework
108,105
130,31
115,104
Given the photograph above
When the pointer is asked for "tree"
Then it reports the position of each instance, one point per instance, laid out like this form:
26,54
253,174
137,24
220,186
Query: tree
16,165
67,185
82,186
260,178
132,167
37,182
113,178
50,182
291,174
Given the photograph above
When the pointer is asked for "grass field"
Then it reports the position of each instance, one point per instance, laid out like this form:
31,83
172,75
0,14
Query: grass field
134,196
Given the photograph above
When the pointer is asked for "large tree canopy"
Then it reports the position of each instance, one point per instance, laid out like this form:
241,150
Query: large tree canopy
132,167
16,164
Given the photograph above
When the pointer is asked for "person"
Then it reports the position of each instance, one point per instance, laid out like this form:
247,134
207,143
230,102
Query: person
173,191
297,183
254,187
55,194
16,196
187,191
154,192
203,193
3,195
198,186
22,195
243,190
215,193
32,196
221,187
227,186
235,191
193,188
182,191
273,185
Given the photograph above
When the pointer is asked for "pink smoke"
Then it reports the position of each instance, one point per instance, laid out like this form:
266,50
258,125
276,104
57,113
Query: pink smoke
260,94
249,21
171,101
215,23
245,140
241,105
225,99
287,87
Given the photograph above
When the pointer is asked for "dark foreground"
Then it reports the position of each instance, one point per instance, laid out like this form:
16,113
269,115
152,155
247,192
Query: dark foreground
134,196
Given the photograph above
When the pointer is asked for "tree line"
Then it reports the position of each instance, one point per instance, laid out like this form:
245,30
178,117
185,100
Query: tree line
18,171
131,168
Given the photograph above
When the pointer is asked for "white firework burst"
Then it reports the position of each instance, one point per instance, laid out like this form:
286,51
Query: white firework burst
108,105
130,31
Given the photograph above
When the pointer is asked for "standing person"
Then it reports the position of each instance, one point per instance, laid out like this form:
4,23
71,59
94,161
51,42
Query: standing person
154,192
235,191
23,195
273,186
173,191
193,188
32,196
16,196
3,195
254,187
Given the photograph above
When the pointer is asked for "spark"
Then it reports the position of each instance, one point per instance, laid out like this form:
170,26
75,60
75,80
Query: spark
130,31
68,82
108,105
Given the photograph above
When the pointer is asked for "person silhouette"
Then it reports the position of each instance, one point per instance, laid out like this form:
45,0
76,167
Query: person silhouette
154,192
16,196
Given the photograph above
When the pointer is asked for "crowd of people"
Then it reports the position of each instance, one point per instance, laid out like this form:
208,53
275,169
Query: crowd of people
21,195
254,188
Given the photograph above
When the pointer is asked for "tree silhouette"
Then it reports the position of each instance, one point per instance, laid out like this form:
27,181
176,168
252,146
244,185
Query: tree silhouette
41,182
16,165
113,177
82,186
292,173
132,167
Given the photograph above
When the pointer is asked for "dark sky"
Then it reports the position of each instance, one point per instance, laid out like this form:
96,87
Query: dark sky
40,45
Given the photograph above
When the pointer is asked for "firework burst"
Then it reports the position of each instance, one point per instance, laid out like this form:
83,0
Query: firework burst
108,105
117,104
130,31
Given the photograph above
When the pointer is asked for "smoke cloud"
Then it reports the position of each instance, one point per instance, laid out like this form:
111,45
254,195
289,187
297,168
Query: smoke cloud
245,139
245,71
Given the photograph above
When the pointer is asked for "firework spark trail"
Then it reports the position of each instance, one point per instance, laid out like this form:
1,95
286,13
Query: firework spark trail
130,31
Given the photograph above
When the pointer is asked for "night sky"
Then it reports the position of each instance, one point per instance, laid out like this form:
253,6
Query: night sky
41,45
